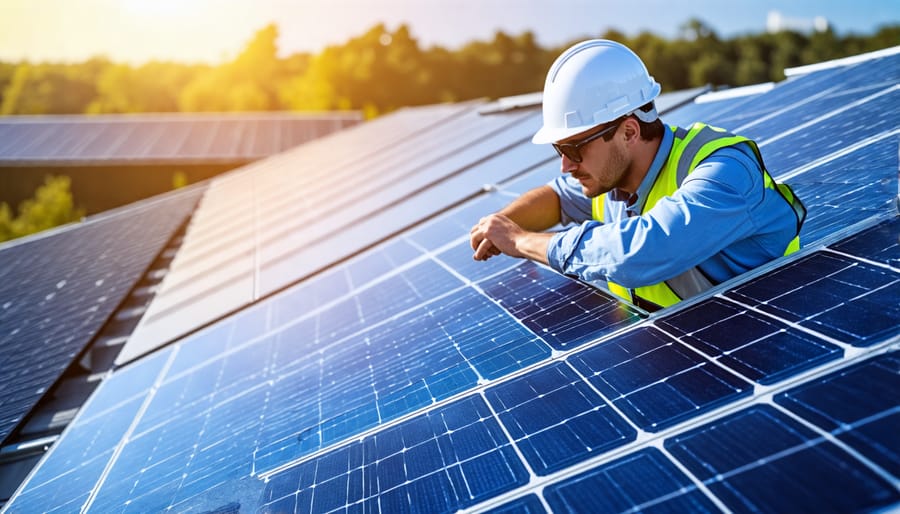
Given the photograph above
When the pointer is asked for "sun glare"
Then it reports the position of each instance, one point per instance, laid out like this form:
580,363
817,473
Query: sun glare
156,8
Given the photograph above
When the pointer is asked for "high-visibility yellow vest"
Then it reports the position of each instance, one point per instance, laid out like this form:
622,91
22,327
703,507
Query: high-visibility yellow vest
690,147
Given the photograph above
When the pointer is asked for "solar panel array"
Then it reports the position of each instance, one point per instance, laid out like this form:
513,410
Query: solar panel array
57,291
327,201
159,138
410,378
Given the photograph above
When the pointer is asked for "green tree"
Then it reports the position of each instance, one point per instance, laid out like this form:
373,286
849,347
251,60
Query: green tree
248,83
376,72
52,88
153,87
51,206
6,74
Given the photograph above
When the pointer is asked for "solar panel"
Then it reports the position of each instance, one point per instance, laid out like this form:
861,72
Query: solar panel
556,419
737,456
642,481
448,459
563,312
840,297
880,243
712,107
755,346
848,189
869,119
798,97
57,290
410,378
655,380
292,237
851,405
159,138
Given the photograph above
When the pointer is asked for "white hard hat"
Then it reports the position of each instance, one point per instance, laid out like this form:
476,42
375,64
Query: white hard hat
594,82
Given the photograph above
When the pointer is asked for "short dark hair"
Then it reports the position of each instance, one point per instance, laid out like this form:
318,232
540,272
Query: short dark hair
649,131
652,130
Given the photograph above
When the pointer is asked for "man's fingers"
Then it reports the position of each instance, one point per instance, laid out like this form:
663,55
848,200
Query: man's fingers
485,251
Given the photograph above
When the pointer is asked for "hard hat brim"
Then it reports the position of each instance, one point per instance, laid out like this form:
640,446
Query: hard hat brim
547,135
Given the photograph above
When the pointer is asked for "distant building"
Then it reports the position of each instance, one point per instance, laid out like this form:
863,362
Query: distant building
777,22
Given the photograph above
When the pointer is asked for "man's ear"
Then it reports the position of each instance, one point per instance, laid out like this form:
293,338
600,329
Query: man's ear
630,130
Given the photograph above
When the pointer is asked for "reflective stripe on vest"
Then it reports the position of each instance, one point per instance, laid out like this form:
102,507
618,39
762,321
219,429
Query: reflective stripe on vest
690,147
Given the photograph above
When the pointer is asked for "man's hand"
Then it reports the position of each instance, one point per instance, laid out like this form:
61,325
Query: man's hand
496,234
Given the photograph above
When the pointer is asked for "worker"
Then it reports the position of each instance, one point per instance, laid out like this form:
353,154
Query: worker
656,213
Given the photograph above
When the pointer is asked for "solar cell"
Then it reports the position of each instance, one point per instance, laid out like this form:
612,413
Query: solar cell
760,459
754,345
655,380
847,190
450,458
644,481
837,296
858,405
880,243
459,258
556,419
563,312
874,115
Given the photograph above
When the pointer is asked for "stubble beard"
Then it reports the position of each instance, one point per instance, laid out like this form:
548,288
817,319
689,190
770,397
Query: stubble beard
615,168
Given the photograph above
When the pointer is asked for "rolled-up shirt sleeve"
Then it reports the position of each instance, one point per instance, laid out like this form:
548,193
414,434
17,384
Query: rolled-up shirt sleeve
710,211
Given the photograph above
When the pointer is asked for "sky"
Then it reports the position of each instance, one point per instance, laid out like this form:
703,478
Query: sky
213,31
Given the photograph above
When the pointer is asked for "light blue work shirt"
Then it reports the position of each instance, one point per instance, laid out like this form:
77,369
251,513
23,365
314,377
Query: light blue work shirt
722,219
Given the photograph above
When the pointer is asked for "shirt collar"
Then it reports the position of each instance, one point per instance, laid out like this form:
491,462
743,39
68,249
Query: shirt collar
635,202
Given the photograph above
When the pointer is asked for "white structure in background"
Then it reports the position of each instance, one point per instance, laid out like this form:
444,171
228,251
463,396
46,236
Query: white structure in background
776,22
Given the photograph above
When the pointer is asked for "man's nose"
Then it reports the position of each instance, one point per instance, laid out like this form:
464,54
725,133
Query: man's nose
567,165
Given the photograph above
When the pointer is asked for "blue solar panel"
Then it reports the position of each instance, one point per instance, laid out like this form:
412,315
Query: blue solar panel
880,243
656,381
863,78
754,345
847,190
450,458
448,228
69,474
759,459
644,481
563,312
529,504
859,405
710,112
834,295
556,419
459,258
58,290
828,135
374,264
310,295
122,387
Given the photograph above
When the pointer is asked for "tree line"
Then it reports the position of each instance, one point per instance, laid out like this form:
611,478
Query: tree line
382,70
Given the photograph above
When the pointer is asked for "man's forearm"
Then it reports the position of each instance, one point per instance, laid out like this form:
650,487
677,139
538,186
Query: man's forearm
536,210
533,246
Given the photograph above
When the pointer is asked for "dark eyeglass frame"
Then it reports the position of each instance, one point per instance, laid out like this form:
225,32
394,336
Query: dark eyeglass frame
572,150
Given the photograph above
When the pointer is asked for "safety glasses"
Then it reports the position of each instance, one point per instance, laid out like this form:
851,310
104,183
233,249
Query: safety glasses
571,150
